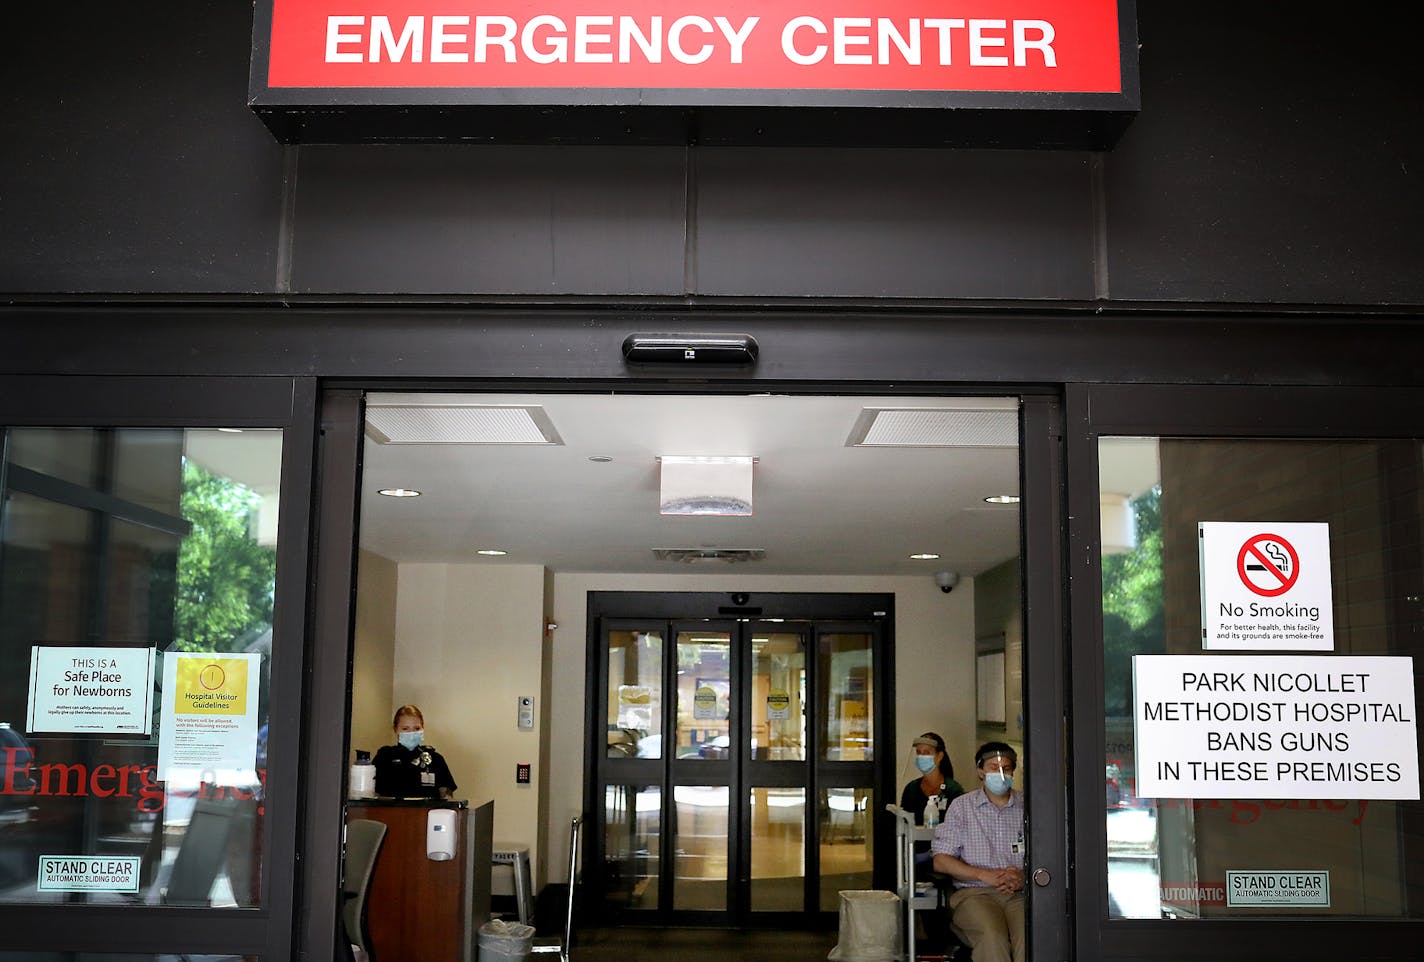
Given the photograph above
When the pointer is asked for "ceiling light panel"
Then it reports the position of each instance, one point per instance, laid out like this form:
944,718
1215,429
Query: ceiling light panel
460,424
934,428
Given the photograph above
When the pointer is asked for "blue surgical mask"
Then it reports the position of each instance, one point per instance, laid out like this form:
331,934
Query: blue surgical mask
925,763
410,741
998,783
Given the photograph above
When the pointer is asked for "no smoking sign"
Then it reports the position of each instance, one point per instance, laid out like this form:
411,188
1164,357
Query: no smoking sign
1268,565
1266,586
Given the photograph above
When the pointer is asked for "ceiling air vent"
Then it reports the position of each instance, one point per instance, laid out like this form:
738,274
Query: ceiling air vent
460,424
934,428
695,555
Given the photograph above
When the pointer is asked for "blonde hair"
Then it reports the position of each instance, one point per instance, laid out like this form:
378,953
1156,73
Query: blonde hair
410,710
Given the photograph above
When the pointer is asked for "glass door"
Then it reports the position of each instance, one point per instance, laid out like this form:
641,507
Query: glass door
777,751
738,768
702,765
150,625
1255,631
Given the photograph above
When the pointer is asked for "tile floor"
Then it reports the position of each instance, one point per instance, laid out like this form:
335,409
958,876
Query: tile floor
699,945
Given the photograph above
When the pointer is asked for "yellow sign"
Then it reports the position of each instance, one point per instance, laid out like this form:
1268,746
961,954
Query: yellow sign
211,686
704,703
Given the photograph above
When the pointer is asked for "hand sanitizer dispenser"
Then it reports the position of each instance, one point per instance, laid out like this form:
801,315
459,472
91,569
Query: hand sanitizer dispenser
440,829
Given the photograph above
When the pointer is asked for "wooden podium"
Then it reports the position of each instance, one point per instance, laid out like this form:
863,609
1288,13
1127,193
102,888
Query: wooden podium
418,909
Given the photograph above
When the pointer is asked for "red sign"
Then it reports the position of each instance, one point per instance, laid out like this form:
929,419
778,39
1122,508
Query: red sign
1268,565
1052,46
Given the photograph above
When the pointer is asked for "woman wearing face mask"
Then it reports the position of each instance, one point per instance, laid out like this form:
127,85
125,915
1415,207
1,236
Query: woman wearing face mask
411,768
935,784
936,787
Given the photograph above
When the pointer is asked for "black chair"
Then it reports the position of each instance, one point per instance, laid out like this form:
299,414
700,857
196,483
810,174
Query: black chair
363,844
203,852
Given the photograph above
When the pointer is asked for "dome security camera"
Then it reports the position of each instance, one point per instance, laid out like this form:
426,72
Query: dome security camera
946,580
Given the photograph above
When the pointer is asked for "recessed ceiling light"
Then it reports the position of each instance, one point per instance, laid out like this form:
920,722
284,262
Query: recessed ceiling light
924,556
492,552
600,459
230,430
399,492
1002,499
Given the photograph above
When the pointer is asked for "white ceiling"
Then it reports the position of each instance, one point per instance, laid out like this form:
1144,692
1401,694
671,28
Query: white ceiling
820,507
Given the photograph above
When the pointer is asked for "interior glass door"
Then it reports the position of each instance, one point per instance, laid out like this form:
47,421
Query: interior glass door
777,752
702,767
738,768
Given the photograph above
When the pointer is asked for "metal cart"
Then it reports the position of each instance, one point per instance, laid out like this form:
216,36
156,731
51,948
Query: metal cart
914,898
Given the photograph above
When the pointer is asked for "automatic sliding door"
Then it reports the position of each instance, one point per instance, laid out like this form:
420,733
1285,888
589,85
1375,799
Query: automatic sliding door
736,772
702,768
632,820
844,751
777,750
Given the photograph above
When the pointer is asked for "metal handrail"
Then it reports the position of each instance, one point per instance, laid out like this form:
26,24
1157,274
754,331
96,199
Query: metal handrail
575,829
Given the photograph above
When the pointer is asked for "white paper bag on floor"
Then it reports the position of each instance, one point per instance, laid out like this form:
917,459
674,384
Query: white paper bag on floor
869,927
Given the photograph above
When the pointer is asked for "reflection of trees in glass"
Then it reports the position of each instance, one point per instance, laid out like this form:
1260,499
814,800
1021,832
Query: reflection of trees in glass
1132,603
225,578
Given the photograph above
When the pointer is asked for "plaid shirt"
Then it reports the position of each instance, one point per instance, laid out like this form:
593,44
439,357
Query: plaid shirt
978,832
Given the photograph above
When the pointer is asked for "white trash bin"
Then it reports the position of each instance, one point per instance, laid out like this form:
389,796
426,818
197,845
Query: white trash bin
869,927
501,941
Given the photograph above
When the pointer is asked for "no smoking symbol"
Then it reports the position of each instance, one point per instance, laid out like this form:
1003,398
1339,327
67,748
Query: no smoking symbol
1268,565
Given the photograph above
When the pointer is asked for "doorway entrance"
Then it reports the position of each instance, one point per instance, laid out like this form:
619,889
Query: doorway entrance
737,769
489,521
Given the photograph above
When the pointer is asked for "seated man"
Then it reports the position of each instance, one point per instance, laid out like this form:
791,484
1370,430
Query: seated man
981,844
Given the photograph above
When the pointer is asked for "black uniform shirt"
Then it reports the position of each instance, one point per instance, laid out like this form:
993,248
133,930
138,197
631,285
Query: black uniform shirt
411,773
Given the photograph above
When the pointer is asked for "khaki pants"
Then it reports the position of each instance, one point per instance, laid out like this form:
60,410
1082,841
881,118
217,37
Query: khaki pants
991,922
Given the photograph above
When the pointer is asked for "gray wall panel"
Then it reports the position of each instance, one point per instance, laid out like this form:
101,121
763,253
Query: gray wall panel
1279,157
129,161
894,223
489,220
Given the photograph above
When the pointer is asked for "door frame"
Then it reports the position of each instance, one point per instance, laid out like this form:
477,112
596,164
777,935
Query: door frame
1044,565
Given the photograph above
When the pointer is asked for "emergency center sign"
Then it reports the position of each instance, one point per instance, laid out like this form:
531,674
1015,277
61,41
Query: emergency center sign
578,46
1265,586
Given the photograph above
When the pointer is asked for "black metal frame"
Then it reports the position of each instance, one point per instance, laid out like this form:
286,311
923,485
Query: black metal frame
1048,726
40,401
1193,411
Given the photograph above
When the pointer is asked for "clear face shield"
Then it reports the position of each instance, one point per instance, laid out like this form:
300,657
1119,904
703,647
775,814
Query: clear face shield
997,762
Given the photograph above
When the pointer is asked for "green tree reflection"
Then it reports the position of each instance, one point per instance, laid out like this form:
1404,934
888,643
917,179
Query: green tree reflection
225,578
1132,604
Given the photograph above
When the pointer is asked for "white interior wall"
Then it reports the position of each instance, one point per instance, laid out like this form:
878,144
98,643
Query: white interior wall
374,653
469,640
